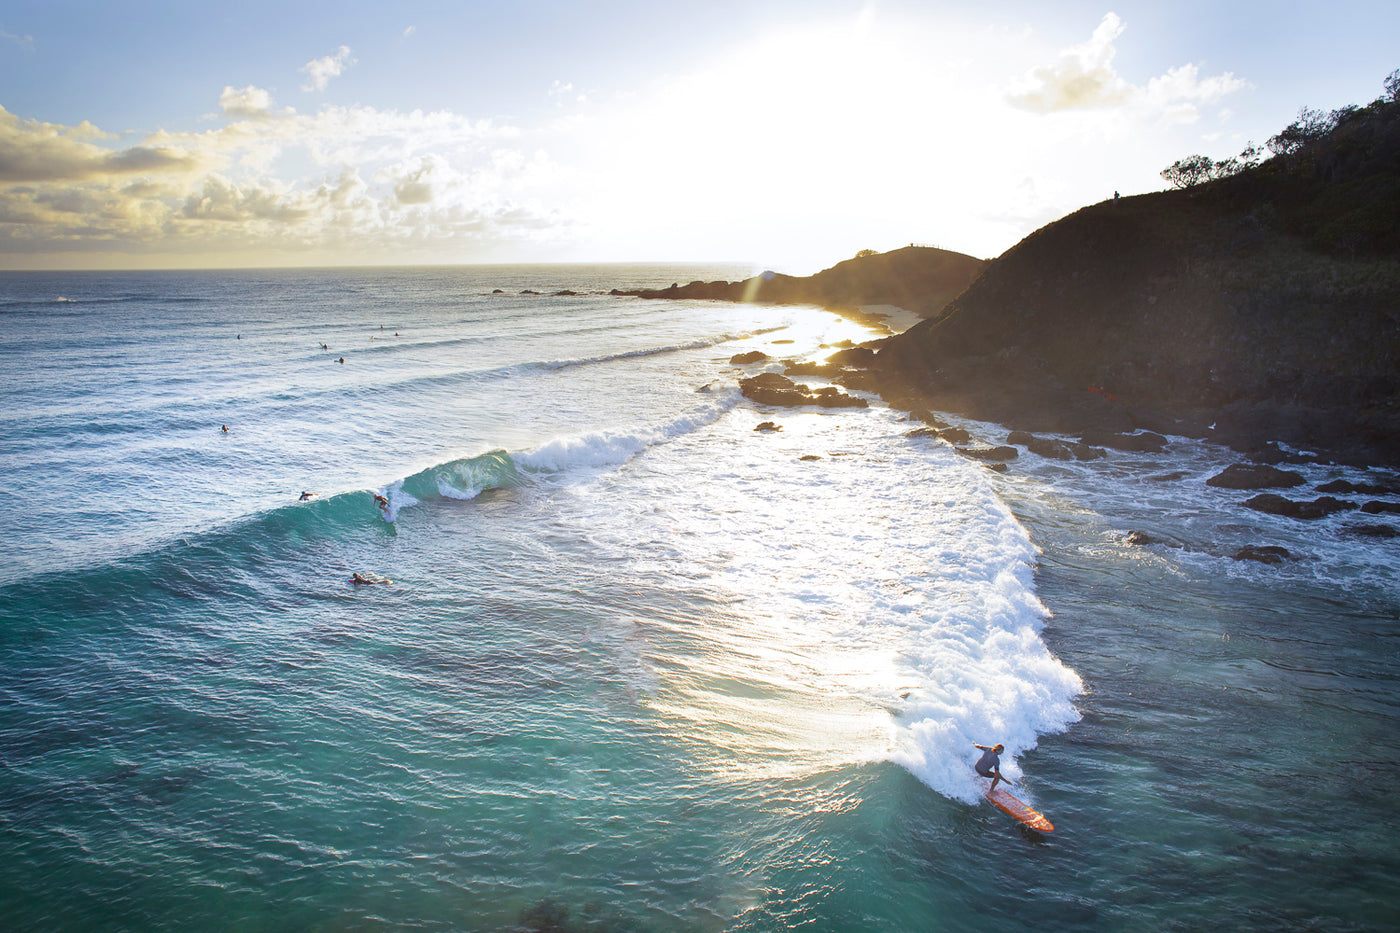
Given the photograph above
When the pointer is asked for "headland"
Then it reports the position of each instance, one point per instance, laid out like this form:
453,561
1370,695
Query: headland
1255,307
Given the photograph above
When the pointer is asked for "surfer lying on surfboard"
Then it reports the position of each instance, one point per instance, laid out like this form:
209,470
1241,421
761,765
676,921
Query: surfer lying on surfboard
989,765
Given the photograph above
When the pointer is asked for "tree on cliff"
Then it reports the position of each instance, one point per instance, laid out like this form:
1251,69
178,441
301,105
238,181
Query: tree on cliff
1194,169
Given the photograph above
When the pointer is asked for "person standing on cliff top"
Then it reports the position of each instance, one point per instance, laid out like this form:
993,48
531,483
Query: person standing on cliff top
989,765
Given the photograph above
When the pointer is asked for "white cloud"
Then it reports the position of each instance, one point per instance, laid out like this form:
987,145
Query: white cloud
408,33
1084,78
253,102
31,151
562,93
415,184
321,70
361,183
25,41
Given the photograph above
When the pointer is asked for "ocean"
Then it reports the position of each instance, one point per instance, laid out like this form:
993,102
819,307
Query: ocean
639,667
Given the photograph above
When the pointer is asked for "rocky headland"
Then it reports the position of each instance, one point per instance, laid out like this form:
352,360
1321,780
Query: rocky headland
920,279
1260,306
1257,307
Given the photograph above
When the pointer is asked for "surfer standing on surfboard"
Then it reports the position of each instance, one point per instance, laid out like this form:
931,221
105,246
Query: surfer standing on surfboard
989,765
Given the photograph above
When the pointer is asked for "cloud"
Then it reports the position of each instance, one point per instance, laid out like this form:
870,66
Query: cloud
342,184
321,70
1084,78
31,151
223,200
415,185
26,41
253,102
408,33
562,93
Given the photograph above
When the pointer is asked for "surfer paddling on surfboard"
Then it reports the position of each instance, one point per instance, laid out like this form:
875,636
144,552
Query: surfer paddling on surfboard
989,765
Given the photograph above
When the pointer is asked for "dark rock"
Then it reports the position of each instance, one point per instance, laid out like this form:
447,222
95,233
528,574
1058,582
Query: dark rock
565,293
497,291
1142,442
996,467
1143,539
1363,489
1043,446
1372,531
1381,508
856,356
922,432
529,291
1086,452
832,397
1168,477
929,418
1271,453
768,426
809,368
1263,553
809,457
991,454
955,435
773,389
768,381
1255,476
1274,504
753,356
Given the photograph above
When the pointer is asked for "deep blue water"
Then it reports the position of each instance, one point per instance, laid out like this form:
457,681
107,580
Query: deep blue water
639,666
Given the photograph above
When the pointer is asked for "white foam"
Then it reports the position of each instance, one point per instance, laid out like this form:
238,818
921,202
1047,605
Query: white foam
886,576
398,499
448,491
613,448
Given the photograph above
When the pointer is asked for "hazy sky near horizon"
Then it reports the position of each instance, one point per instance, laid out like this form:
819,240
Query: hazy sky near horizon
787,133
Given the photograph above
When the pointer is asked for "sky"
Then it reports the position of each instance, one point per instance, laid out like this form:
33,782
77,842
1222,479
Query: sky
788,134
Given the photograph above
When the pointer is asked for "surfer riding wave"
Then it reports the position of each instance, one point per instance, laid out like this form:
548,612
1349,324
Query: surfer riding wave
989,765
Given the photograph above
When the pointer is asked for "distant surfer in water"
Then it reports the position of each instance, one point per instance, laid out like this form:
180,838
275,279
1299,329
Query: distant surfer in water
382,502
358,579
989,765
305,496
224,429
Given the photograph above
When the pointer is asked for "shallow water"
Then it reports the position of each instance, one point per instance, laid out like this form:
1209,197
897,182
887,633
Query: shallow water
640,667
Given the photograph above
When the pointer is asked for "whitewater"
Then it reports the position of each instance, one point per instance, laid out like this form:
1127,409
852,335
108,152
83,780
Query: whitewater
640,665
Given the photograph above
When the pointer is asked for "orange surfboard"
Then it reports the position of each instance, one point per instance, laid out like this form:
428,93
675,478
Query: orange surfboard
1018,810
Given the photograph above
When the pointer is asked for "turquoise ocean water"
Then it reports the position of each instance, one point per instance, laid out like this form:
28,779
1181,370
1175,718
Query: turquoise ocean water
640,667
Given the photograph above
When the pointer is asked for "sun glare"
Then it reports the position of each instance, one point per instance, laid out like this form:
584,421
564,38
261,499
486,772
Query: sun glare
793,149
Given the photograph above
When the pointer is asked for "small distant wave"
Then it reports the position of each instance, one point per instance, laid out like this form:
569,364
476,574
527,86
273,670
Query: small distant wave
700,344
9,304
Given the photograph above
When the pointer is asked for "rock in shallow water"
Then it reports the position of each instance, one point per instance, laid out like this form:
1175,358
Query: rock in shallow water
1263,553
1274,504
1255,476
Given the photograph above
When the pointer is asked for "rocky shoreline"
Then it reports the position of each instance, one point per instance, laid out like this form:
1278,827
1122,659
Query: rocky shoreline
1262,472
